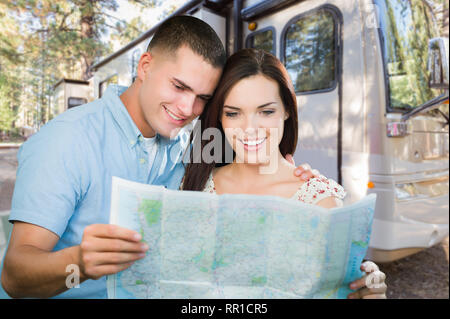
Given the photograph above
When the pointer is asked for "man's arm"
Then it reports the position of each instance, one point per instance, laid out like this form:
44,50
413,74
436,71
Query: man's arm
304,171
32,269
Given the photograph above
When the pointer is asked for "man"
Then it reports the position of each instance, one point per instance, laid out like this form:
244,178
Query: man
61,200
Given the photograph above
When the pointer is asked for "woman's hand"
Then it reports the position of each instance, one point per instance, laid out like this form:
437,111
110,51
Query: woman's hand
371,285
303,171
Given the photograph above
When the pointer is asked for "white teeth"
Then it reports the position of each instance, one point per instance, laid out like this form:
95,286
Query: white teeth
172,115
253,143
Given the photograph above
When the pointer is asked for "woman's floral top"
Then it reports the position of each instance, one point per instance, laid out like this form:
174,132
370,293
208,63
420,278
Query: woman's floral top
310,192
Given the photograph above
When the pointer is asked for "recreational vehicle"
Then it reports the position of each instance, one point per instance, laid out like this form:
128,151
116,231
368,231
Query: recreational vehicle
68,93
371,78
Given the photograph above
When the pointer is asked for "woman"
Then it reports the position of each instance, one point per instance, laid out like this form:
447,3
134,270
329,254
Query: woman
255,109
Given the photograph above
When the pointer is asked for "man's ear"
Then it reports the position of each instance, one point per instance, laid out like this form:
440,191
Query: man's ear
144,65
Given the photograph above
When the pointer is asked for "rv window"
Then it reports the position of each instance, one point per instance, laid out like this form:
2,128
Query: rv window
104,84
406,29
309,51
263,39
75,101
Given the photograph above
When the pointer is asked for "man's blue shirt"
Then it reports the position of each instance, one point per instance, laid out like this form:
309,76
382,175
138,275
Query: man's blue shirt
64,175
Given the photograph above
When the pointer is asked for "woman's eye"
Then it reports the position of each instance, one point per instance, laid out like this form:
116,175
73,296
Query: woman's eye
268,112
231,114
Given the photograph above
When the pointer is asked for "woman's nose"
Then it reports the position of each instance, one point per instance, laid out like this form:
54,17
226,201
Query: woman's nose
250,125
250,131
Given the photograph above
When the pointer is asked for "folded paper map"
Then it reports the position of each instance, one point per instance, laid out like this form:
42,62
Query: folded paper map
237,246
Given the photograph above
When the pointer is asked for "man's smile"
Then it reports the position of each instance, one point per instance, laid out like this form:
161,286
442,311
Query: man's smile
179,119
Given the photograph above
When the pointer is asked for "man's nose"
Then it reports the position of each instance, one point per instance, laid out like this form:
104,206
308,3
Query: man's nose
186,104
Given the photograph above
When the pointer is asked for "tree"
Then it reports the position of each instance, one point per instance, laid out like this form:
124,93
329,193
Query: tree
10,84
42,41
73,29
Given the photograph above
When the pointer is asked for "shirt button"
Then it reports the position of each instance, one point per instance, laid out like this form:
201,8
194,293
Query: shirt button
142,160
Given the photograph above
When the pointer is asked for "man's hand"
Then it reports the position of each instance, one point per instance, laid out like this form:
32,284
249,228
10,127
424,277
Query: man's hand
303,171
371,285
107,249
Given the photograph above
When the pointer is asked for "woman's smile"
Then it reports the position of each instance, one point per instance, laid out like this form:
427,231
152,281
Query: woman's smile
253,144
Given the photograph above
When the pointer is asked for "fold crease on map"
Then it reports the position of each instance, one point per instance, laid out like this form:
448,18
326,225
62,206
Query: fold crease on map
237,246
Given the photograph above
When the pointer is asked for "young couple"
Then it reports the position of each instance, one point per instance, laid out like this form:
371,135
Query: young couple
61,200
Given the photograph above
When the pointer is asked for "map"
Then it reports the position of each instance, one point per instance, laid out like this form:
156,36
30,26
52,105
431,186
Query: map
205,245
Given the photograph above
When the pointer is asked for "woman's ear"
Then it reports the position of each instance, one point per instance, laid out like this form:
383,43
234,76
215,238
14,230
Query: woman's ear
286,115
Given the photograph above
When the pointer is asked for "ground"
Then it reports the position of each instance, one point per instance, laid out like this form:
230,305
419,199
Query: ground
420,276
8,167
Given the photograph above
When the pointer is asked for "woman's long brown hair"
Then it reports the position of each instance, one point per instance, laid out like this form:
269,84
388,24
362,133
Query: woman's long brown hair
243,64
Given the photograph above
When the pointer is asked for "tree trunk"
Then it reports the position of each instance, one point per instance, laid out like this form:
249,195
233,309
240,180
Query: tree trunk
87,33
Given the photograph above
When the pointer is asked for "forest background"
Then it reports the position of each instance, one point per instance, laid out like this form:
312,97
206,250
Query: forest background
43,41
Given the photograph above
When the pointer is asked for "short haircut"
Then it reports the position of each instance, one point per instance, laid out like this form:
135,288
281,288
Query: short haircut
192,32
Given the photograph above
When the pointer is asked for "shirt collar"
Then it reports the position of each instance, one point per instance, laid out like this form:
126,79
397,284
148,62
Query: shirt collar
120,113
123,118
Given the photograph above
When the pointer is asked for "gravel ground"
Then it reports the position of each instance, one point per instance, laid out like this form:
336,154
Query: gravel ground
420,276
8,167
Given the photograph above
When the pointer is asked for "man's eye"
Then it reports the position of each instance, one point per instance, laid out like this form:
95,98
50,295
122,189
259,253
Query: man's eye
178,87
231,114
